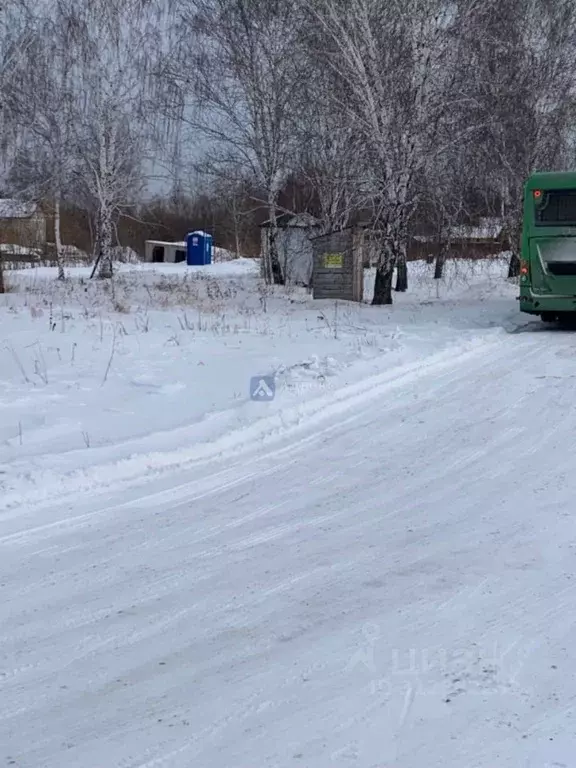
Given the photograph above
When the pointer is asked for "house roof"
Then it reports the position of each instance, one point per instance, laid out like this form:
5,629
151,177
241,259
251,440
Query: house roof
486,229
285,220
15,209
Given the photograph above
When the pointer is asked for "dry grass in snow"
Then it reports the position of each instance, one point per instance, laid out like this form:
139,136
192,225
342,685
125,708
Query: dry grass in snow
157,364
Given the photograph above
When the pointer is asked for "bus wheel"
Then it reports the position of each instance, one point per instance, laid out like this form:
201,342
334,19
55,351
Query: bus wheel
548,317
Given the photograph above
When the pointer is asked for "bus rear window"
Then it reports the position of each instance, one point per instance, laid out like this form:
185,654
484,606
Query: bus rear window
556,208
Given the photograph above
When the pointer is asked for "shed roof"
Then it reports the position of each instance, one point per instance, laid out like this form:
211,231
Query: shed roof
286,220
166,244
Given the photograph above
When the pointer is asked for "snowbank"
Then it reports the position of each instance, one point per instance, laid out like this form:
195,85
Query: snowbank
102,383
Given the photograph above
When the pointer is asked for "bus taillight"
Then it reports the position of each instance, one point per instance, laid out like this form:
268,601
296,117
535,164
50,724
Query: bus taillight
523,267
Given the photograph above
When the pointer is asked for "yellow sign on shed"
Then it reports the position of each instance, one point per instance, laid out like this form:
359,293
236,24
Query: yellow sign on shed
333,260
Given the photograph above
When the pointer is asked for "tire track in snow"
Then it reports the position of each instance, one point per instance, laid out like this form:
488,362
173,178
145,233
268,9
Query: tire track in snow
447,369
282,426
298,572
212,533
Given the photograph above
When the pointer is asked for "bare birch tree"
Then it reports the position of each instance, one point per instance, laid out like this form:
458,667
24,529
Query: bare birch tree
116,48
242,86
235,197
330,153
445,205
519,57
17,30
43,102
393,62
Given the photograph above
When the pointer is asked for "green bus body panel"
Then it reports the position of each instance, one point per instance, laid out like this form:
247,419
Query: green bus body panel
551,180
541,291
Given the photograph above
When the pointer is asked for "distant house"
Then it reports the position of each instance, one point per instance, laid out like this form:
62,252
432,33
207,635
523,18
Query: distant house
468,241
478,241
295,250
22,224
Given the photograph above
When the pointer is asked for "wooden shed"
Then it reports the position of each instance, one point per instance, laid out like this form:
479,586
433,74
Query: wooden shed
22,224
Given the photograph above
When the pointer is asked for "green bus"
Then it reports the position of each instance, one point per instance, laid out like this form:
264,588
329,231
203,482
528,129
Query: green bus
548,252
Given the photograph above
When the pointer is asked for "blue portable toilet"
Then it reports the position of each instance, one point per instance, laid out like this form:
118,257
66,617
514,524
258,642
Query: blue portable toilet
199,249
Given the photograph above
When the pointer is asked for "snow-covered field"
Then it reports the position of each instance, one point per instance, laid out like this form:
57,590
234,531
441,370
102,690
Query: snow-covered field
102,385
375,569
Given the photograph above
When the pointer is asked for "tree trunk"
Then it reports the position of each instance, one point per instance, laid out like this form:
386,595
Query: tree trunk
439,268
275,274
95,235
237,237
236,217
402,273
266,264
514,233
58,239
514,265
2,288
93,229
383,284
105,244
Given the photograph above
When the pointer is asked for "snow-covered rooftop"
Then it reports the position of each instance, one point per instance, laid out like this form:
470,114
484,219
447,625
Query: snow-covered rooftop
15,209
487,229
167,243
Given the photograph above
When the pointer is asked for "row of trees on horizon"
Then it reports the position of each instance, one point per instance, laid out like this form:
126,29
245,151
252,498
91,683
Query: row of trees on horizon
412,114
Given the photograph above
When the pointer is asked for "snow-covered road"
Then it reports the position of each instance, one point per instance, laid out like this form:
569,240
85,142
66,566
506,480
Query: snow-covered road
394,587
